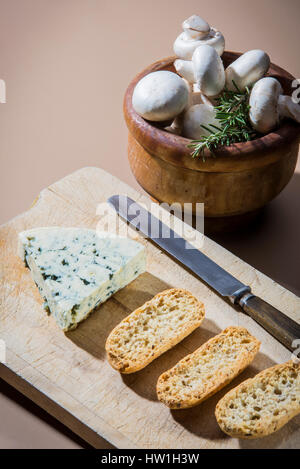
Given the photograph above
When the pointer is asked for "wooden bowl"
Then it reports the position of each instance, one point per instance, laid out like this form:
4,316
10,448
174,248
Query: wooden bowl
241,178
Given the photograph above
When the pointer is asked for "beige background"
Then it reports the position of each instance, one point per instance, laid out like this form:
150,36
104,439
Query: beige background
66,64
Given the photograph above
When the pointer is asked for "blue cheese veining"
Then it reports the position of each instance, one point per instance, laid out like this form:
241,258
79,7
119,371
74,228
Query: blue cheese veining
77,269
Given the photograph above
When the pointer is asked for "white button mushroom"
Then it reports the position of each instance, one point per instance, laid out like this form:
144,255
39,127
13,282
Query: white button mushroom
196,32
289,108
268,106
196,97
160,96
247,69
195,117
195,27
208,70
185,69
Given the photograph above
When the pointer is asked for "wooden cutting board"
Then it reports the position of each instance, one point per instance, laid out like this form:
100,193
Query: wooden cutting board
68,375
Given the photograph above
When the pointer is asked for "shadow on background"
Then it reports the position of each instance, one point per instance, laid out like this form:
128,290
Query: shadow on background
270,243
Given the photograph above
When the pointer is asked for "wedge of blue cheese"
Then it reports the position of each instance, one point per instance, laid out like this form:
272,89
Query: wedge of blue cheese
77,269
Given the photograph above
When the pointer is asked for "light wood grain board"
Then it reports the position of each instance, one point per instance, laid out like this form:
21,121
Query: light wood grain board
68,374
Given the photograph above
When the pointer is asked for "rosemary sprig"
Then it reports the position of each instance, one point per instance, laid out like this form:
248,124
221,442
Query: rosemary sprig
232,111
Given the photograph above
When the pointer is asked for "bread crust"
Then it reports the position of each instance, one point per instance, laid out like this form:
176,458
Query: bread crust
283,403
198,386
156,342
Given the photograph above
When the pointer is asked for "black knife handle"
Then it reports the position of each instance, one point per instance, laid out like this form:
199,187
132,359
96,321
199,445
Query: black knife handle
274,321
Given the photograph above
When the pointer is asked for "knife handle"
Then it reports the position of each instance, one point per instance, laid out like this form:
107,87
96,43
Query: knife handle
274,321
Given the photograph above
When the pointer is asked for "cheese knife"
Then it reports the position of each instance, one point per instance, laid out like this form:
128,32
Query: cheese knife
280,326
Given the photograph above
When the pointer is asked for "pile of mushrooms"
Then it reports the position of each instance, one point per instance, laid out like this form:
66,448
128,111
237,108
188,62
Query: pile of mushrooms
184,101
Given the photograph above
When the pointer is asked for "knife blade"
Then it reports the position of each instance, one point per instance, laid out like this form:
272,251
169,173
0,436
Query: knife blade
274,321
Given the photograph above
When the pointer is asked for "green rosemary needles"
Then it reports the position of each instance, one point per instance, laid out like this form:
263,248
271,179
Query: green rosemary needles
232,110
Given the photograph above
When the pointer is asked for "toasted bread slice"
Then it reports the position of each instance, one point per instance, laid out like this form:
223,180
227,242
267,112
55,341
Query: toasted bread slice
153,329
202,373
263,404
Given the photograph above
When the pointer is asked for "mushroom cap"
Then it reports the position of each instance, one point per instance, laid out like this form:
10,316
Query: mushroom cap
185,69
160,96
208,70
195,117
247,69
264,111
184,46
196,27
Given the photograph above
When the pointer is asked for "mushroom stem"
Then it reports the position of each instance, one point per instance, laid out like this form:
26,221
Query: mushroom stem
185,69
200,98
195,27
288,108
